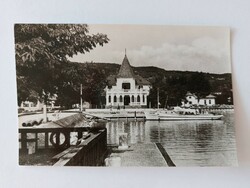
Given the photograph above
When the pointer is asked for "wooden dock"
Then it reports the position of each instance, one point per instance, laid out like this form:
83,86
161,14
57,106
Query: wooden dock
141,155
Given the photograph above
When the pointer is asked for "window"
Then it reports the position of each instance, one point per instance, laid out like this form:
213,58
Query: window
209,101
115,98
143,98
125,85
109,98
133,98
138,98
120,98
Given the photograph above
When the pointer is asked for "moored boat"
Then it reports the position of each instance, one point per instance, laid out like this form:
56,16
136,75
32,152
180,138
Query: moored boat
171,115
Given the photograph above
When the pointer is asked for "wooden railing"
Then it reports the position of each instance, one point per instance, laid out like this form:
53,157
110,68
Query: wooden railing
49,137
90,152
87,150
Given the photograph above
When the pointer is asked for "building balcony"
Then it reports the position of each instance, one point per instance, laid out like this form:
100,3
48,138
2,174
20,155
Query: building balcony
126,91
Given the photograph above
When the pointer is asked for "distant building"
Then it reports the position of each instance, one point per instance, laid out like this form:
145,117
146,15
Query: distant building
192,99
31,106
85,105
37,106
126,88
207,101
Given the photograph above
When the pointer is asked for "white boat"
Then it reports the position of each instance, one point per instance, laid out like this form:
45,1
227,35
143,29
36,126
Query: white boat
171,115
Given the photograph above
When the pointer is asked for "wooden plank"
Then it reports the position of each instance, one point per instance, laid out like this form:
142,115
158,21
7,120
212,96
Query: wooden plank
56,157
28,140
65,159
72,150
61,162
165,154
55,129
90,139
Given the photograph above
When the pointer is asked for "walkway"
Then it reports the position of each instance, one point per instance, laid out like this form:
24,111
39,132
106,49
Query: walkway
141,155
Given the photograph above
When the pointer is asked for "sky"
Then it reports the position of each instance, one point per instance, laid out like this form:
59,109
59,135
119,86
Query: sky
184,48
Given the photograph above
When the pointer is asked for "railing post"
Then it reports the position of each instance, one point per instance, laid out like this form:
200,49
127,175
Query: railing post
58,137
36,141
24,142
67,137
46,140
79,134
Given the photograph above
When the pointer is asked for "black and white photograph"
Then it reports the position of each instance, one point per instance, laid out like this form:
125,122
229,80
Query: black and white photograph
124,95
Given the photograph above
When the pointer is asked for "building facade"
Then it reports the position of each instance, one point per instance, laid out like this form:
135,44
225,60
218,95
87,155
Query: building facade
192,99
126,89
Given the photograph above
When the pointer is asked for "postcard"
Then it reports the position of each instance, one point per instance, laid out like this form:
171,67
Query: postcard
124,95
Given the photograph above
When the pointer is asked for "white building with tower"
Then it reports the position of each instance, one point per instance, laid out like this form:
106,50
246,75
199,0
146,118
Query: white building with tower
126,89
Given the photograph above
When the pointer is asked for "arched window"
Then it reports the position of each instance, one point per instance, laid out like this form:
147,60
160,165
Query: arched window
138,98
115,98
133,98
120,98
109,98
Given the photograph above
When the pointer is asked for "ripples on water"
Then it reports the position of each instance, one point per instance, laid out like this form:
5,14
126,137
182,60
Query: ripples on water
188,143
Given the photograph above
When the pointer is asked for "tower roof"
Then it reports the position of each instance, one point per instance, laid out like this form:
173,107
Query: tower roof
126,70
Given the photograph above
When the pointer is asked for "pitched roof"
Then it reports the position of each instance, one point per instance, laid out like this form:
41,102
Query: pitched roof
210,96
191,94
126,70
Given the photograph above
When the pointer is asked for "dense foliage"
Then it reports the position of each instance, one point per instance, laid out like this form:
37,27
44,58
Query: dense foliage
173,85
41,59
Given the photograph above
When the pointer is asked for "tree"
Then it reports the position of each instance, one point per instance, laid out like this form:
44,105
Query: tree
42,51
198,83
92,79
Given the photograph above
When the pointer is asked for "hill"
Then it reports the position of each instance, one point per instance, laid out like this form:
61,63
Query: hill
173,85
65,80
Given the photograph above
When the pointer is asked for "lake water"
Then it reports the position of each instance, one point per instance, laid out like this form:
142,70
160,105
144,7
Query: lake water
188,143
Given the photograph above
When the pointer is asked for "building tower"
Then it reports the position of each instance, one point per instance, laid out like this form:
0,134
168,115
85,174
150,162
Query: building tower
126,88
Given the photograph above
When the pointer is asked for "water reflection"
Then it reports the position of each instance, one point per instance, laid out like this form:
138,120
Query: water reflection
189,143
134,129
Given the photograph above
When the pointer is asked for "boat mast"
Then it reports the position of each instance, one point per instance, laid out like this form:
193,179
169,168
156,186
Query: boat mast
166,101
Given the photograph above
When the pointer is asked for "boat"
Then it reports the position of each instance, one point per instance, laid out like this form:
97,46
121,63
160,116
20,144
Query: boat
178,115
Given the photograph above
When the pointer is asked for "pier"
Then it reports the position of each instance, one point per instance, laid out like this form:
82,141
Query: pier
142,154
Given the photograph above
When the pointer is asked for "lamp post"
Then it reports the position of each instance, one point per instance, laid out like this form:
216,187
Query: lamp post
81,97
